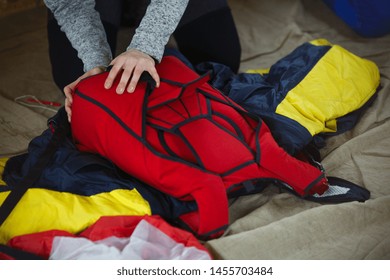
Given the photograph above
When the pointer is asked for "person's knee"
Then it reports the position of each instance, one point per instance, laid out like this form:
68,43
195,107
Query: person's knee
211,37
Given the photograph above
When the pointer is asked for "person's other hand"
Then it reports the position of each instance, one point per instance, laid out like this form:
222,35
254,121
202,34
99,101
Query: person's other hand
133,63
69,89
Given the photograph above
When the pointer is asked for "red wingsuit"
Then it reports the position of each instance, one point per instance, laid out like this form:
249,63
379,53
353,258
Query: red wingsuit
186,139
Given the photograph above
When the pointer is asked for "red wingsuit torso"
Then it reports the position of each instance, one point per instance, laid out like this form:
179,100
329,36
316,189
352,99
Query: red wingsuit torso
186,139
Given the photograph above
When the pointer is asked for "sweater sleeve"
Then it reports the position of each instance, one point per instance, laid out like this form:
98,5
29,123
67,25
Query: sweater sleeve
84,29
158,24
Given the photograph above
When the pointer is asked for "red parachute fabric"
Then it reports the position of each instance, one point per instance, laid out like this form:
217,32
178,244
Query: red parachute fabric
41,243
186,139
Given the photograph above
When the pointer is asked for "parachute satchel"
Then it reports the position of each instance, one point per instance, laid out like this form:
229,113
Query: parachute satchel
188,140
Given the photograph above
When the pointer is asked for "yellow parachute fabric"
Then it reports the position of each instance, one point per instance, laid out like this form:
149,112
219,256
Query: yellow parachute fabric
43,209
338,84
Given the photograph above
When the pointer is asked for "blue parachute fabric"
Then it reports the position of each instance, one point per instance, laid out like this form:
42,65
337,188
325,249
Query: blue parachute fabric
261,94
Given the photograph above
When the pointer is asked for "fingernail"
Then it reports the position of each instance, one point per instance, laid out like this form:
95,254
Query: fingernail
120,90
131,89
107,85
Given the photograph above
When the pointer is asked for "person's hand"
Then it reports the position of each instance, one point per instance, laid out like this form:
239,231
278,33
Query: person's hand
133,63
69,89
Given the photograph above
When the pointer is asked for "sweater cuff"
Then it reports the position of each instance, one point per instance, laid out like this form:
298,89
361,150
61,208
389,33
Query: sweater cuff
97,61
148,45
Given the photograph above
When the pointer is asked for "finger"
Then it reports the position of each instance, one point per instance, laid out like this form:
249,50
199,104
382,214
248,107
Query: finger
111,76
68,94
68,91
68,109
124,80
155,76
134,79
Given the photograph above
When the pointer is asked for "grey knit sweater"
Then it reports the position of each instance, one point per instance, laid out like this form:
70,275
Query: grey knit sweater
81,24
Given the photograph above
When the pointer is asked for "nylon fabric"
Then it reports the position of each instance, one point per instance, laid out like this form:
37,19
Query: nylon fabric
115,237
75,189
185,139
339,83
42,209
318,90
3,162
